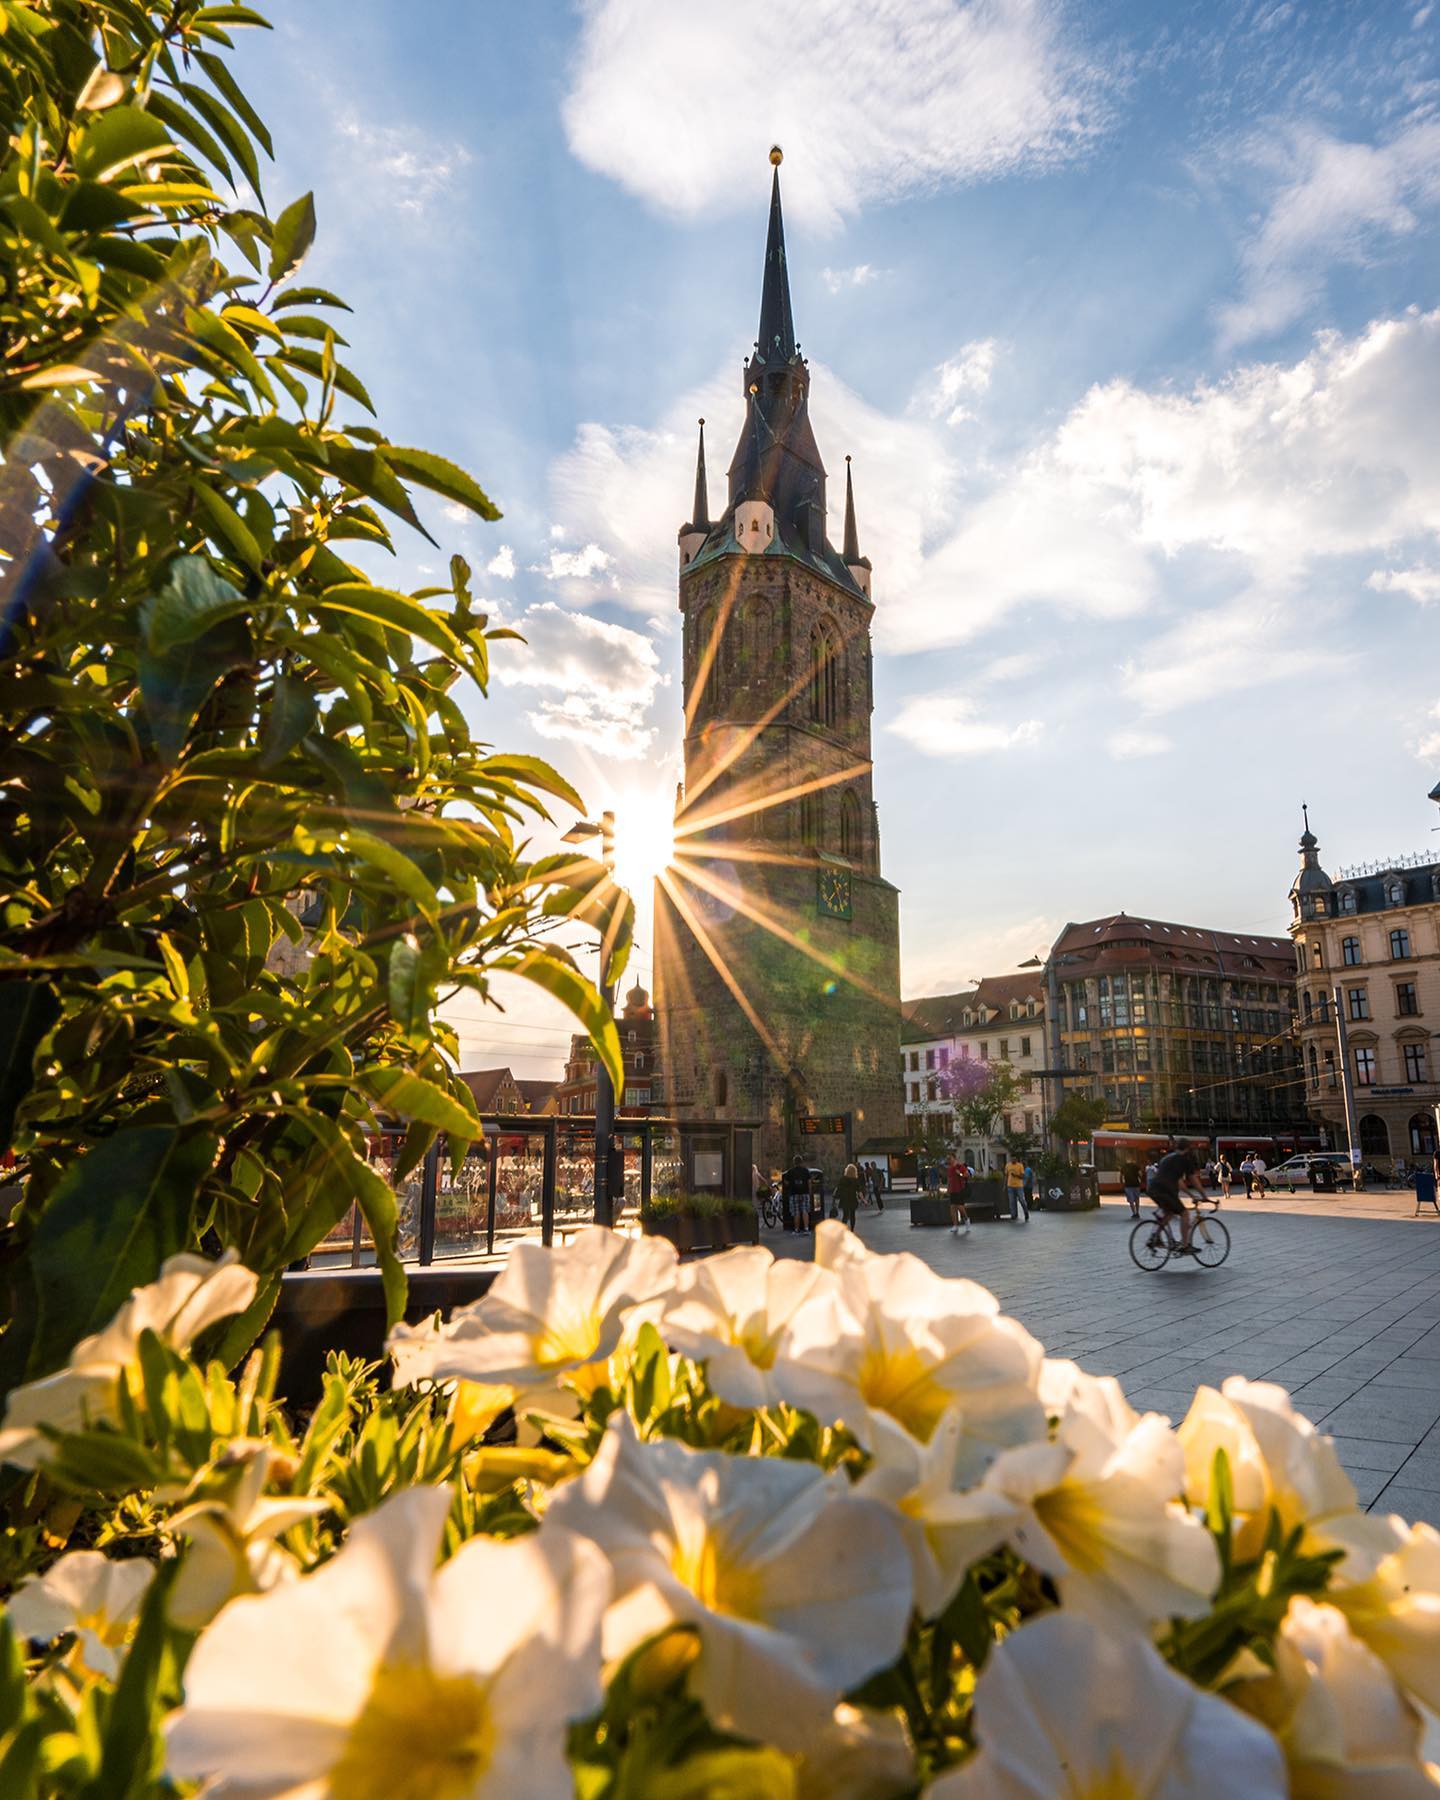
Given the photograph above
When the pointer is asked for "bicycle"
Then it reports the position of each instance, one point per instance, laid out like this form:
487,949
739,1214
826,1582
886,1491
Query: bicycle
1155,1240
771,1214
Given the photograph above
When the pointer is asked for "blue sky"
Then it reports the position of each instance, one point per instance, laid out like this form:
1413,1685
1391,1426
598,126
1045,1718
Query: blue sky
1129,316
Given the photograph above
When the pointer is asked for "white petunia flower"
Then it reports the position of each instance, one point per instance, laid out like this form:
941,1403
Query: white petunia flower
1064,1384
191,1294
797,1587
1067,1711
550,1314
730,1311
944,1529
895,1339
861,1754
380,1677
1098,1513
1392,1602
1277,1460
85,1592
232,1530
1347,1732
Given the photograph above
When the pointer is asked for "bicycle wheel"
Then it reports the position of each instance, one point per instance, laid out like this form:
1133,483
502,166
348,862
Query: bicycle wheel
1149,1245
1210,1241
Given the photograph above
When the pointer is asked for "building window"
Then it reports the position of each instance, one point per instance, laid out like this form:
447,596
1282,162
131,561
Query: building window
984,1053
1300,958
1374,1135
914,1093
1331,1078
1395,893
722,1088
1359,1002
929,1059
1004,1049
824,677
1399,946
1314,1068
1350,951
1317,953
1307,1006
811,815
1414,1055
639,1060
1024,1046
1364,1066
851,839
1347,900
914,1061
944,1057
1422,1134
1407,1001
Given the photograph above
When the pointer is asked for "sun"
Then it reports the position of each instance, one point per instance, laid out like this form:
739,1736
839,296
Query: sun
644,837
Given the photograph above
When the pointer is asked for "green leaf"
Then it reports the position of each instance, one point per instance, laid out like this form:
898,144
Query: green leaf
191,599
131,1745
386,607
409,991
313,364
118,139
442,477
227,525
411,1096
28,1009
293,236
397,866
310,296
218,71
535,772
377,1202
174,687
293,715
115,1216
551,970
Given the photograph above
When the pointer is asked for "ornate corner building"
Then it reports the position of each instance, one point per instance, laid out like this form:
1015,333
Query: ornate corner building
777,962
1372,937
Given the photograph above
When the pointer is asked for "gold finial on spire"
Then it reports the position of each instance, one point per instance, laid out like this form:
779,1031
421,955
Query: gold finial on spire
777,155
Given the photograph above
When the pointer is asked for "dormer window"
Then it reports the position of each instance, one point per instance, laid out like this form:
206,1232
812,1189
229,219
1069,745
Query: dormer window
1348,902
1395,893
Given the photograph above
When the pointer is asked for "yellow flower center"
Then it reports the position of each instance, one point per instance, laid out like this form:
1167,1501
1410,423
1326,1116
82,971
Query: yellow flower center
567,1338
1112,1783
1073,1519
717,1582
113,1633
759,1345
420,1736
902,1383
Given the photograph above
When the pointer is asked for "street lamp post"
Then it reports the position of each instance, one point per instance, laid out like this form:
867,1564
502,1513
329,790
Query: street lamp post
579,833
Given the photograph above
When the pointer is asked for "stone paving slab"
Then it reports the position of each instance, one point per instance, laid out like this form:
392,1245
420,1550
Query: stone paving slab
1339,1300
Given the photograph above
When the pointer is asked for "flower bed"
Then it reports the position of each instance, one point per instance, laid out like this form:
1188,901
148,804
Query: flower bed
701,1221
771,1528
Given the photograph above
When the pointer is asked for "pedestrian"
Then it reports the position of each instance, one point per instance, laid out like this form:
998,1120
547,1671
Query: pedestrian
1029,1189
1130,1181
1224,1174
1262,1186
847,1194
955,1180
1247,1169
794,1183
877,1187
1015,1189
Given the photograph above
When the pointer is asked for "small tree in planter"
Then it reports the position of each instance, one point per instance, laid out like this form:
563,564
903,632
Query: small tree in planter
1075,1119
979,1093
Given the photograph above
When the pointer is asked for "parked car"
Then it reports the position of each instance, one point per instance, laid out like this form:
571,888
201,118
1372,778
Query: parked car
1294,1173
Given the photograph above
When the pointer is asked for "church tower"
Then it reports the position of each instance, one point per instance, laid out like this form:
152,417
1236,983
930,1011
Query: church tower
777,938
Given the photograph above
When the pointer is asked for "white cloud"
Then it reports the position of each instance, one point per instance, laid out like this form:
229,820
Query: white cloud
1422,584
404,169
860,276
945,725
1427,748
502,564
1336,202
966,373
455,513
943,967
573,565
1015,665
1127,745
605,677
677,102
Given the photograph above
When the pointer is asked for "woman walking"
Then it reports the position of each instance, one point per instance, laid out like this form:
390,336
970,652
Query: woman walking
955,1179
847,1194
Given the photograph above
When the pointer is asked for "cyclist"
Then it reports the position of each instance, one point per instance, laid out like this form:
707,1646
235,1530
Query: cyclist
1177,1170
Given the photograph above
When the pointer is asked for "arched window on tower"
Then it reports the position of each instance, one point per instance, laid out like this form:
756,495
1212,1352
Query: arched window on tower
812,820
852,827
824,675
762,641
722,1089
709,654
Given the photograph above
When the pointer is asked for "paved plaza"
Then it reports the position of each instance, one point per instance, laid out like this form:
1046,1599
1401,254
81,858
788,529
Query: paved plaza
1339,1300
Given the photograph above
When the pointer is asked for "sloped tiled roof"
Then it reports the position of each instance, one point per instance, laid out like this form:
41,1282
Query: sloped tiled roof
941,1015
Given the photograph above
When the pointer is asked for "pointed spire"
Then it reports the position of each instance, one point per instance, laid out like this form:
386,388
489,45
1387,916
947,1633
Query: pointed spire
700,518
777,322
852,536
1308,840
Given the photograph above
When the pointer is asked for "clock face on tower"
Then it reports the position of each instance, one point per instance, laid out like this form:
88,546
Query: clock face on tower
833,892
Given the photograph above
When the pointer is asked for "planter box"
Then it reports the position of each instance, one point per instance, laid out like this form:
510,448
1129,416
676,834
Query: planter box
705,1231
984,1199
344,1309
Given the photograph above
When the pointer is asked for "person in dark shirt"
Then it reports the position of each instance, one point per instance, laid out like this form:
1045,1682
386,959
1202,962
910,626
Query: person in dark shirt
795,1194
1130,1181
1176,1170
847,1194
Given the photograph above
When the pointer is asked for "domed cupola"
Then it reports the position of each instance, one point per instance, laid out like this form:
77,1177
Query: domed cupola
1312,894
